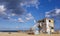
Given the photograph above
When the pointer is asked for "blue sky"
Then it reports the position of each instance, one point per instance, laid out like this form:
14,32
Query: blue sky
23,14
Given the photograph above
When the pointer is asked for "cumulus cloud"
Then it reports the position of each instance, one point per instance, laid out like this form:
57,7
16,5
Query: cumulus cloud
17,5
28,3
2,8
29,16
11,8
20,20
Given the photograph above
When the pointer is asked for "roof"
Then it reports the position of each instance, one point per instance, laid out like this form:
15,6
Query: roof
44,19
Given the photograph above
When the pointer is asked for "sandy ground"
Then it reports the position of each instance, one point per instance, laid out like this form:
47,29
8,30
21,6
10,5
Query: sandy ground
24,34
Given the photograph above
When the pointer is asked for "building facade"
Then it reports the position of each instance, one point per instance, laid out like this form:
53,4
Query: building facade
46,25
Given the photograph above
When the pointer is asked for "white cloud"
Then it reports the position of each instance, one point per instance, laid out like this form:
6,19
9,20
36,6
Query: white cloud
35,21
17,27
47,15
57,11
2,8
29,16
8,17
13,14
29,3
20,20
6,12
53,13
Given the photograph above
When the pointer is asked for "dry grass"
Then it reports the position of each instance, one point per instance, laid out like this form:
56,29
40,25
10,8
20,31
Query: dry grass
24,34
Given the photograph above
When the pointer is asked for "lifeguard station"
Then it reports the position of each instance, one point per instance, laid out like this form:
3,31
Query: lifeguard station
45,26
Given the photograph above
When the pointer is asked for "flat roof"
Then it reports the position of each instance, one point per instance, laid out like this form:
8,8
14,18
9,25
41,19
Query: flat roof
42,20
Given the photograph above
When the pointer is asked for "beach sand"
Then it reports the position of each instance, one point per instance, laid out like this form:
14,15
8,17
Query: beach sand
24,34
